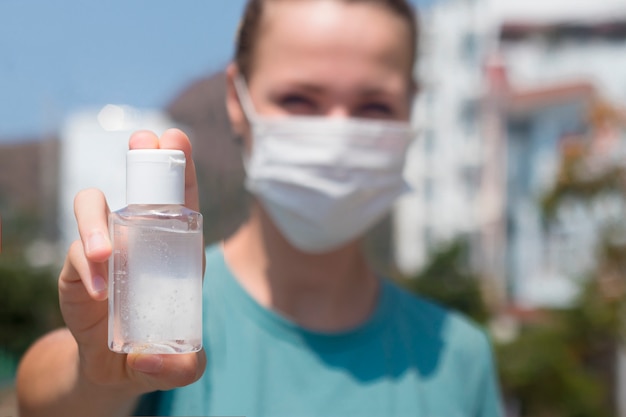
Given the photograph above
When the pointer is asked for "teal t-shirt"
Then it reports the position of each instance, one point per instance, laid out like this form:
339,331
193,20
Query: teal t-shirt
411,358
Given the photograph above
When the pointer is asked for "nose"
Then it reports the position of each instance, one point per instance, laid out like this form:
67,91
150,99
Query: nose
338,112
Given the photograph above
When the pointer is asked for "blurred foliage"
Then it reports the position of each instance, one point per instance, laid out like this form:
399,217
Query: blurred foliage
583,178
28,296
447,279
28,304
562,363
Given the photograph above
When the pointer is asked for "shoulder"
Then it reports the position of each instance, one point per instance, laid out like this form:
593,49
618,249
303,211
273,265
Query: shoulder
214,254
215,269
426,317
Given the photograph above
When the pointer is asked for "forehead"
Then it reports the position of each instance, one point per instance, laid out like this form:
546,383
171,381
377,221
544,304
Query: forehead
332,41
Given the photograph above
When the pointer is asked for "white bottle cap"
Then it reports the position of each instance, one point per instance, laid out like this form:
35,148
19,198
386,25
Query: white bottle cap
155,176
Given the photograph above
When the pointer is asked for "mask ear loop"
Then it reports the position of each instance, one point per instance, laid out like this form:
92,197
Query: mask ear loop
244,98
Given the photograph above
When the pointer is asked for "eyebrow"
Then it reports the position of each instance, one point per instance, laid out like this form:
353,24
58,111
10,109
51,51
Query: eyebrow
312,88
367,91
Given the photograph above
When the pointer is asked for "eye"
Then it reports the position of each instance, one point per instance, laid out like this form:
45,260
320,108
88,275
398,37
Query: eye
375,110
295,103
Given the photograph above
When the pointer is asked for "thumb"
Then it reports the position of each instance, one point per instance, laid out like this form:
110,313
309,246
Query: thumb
164,372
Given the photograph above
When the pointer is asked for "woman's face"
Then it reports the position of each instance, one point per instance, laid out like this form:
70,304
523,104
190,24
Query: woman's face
329,58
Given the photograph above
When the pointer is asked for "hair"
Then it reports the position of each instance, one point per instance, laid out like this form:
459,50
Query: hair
249,28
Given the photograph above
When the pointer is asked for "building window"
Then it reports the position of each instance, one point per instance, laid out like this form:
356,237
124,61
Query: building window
468,118
429,142
471,178
469,48
519,128
429,243
429,190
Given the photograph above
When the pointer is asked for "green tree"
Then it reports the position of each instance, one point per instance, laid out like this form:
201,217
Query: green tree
28,296
28,305
448,279
552,368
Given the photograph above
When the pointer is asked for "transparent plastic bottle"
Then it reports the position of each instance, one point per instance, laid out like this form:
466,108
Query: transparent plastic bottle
155,271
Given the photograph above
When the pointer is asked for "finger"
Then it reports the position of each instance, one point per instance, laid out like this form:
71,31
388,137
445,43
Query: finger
84,309
165,372
79,280
177,139
92,212
143,139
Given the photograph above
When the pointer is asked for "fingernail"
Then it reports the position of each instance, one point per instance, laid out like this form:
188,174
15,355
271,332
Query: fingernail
147,363
99,284
95,242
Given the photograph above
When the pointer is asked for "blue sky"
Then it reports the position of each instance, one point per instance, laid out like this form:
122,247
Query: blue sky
59,56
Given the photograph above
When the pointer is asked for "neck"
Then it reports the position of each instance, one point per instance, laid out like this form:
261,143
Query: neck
328,292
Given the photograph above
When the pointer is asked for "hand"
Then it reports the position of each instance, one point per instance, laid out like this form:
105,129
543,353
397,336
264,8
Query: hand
83,292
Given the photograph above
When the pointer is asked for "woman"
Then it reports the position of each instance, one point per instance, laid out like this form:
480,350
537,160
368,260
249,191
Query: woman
295,321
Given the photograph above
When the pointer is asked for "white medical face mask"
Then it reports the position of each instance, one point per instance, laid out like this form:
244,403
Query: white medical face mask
324,181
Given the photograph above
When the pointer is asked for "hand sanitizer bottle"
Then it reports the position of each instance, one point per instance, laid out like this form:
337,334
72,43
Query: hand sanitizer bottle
155,271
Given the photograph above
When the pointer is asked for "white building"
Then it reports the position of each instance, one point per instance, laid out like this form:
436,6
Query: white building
504,82
93,154
444,164
459,166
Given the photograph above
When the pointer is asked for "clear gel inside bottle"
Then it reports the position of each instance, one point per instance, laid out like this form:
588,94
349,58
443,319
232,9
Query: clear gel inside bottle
155,271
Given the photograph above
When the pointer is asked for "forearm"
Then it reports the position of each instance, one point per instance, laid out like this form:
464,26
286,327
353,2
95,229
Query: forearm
50,383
